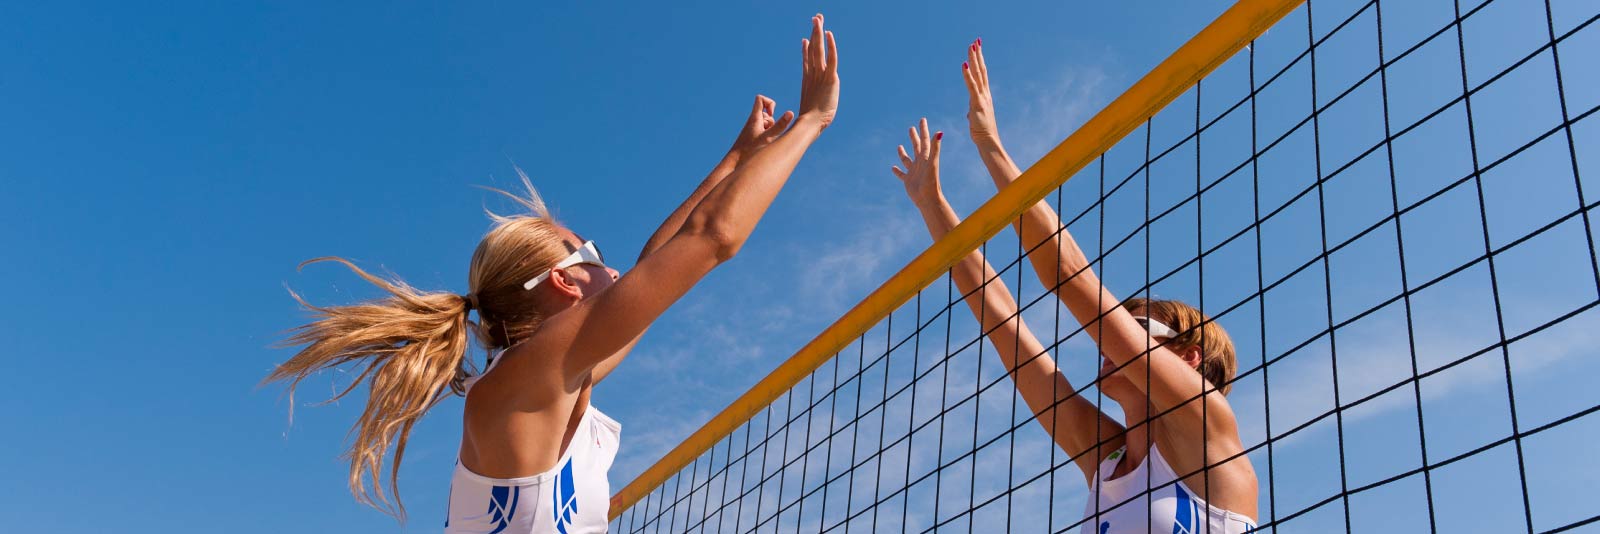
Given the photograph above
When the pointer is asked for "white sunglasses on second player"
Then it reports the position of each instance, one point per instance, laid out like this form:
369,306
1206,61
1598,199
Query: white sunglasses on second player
585,254
1156,328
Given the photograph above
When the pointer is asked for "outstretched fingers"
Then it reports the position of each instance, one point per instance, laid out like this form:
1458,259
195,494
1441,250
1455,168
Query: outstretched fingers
927,140
972,70
833,54
782,123
819,86
919,166
981,67
816,58
967,76
972,59
776,127
805,57
761,112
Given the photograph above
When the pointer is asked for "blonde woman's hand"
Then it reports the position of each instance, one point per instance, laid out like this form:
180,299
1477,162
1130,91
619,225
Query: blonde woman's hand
761,127
819,83
921,173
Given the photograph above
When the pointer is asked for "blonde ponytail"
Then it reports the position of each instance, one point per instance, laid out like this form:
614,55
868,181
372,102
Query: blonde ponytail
411,348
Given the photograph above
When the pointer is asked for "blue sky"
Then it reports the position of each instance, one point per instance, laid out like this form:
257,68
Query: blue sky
166,168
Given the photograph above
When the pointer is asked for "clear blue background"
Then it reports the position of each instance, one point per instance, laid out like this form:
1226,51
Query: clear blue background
166,167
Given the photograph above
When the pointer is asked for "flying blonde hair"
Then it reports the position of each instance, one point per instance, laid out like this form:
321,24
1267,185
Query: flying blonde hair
411,345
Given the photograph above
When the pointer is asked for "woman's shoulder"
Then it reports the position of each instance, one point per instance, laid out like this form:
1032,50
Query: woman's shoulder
1214,464
523,375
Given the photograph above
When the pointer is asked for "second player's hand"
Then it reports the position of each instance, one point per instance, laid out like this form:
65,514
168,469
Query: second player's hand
921,173
980,102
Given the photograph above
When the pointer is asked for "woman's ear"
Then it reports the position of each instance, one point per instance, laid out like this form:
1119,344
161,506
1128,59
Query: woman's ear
1192,356
565,284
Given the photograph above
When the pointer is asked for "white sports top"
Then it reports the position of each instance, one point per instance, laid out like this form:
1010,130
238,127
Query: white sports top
1173,508
571,498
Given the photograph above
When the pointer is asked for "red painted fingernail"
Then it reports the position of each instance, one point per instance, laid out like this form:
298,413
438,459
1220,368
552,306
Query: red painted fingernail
980,41
938,136
963,65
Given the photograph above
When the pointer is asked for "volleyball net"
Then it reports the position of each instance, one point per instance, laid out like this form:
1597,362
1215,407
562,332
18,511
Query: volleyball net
1387,205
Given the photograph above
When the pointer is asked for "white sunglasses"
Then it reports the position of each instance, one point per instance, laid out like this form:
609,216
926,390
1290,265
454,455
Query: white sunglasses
585,254
1156,328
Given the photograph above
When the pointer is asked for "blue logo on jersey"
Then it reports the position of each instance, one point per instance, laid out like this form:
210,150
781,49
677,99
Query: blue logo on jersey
566,498
1186,513
502,506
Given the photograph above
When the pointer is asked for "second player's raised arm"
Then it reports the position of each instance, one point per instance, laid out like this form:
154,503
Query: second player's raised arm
1061,265
1070,419
1052,260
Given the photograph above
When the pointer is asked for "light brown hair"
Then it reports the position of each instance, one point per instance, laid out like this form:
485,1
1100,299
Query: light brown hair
1218,363
410,346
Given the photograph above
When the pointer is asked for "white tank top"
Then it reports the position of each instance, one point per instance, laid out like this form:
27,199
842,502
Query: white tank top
571,498
1173,508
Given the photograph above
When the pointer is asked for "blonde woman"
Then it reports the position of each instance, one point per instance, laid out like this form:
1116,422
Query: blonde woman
1173,464
556,320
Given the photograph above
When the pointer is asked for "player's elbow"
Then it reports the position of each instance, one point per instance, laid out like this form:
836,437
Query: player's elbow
720,239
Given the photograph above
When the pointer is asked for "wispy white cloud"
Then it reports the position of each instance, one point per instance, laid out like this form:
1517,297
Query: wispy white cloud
846,269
